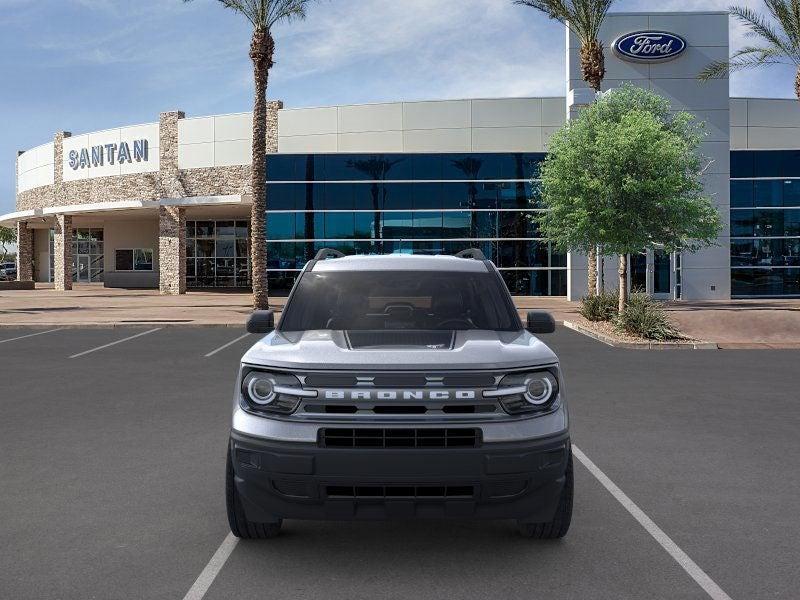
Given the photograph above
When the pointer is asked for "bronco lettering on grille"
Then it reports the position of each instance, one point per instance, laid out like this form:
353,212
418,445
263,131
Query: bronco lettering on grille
400,394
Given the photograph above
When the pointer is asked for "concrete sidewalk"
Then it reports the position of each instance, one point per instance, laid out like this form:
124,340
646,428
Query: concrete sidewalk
735,324
741,323
93,305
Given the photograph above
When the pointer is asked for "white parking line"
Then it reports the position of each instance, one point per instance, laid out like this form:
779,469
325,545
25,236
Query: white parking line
214,566
115,343
22,337
231,343
688,565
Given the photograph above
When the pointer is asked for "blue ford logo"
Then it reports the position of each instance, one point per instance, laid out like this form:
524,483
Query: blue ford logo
649,46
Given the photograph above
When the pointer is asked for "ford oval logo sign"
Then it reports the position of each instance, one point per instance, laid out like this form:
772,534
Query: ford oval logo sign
649,46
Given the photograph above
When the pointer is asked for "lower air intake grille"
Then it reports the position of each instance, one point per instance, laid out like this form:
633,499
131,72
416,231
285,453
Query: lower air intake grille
399,438
400,491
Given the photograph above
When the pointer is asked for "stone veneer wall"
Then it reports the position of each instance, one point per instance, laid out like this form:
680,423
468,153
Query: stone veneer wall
62,250
169,182
172,250
24,252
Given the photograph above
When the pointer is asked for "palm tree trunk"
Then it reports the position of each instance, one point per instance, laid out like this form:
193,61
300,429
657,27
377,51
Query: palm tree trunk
593,67
593,70
623,282
797,84
261,52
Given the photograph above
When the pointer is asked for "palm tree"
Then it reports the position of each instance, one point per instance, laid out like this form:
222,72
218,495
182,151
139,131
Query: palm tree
263,15
584,19
779,38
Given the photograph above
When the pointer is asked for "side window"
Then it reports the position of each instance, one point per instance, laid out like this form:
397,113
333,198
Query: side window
133,259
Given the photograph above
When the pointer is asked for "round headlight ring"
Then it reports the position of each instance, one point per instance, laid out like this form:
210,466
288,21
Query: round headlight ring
538,390
261,390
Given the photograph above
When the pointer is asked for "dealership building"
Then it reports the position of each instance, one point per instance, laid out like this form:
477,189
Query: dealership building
167,204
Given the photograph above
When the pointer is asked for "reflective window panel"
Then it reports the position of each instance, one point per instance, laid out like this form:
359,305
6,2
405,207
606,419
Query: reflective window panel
218,252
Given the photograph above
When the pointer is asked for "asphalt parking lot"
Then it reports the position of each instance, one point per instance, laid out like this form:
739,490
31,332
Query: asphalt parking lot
112,471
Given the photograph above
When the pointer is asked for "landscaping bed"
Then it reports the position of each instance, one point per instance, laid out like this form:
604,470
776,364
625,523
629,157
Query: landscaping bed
643,324
606,332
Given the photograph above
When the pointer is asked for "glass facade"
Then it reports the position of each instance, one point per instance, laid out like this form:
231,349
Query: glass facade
410,203
88,262
217,254
765,223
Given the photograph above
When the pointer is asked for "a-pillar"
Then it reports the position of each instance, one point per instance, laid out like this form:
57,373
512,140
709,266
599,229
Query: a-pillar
62,253
171,250
24,252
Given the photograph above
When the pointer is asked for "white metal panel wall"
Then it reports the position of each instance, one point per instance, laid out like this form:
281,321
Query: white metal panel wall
765,124
35,167
484,125
215,141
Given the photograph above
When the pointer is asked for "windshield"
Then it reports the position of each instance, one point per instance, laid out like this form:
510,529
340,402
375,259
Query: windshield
410,300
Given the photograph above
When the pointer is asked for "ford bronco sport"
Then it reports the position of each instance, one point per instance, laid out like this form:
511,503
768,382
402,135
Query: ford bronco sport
399,386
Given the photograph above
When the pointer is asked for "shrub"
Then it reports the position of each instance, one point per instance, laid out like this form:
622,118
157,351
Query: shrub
601,307
644,317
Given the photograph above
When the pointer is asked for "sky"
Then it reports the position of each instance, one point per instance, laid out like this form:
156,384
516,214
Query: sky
86,65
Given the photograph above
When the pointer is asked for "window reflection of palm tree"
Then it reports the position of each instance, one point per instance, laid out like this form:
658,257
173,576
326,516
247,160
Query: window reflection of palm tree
376,168
471,166
309,214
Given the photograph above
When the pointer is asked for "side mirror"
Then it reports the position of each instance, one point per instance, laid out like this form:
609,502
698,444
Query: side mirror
540,322
261,321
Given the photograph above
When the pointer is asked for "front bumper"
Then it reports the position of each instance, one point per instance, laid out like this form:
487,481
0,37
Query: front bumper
512,480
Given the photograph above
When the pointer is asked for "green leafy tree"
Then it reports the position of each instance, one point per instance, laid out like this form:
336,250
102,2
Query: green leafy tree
584,19
8,236
626,174
263,15
778,40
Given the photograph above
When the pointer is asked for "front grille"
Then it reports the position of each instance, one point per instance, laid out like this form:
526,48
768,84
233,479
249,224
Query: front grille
399,409
439,492
399,438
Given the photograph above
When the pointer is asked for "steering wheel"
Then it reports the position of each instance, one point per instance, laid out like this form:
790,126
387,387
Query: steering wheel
466,322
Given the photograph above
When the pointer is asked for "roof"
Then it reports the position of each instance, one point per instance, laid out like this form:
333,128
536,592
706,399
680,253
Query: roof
400,262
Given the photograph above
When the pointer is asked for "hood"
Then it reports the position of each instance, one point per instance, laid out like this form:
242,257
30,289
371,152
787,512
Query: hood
330,349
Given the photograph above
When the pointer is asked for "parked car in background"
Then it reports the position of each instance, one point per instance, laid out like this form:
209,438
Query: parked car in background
8,271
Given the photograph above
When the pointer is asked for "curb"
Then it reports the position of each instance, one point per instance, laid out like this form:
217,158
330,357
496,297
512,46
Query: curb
640,345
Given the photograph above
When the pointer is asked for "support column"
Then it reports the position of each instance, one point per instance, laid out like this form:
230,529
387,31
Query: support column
171,250
62,250
24,252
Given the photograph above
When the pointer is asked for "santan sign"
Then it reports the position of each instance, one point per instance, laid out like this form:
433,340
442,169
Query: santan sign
97,156
649,46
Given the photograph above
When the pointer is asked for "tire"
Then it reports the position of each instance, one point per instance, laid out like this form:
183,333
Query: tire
558,527
241,527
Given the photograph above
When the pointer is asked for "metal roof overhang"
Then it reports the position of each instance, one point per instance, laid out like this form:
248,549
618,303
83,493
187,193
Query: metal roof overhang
13,218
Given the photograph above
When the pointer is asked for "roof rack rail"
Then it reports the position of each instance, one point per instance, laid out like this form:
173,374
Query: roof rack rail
471,253
328,253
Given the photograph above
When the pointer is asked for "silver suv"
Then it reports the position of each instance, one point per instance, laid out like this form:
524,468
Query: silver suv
399,387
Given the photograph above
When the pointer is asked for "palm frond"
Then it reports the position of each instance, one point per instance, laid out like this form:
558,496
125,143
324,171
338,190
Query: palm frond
284,10
759,26
746,58
583,17
787,14
263,14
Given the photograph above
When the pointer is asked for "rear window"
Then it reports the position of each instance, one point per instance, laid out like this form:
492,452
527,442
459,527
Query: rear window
410,300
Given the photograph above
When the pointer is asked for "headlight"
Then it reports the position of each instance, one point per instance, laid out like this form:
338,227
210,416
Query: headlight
539,388
535,391
260,388
271,392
